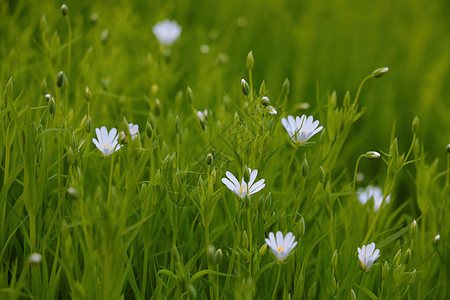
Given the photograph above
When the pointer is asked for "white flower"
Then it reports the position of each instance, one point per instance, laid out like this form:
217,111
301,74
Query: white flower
271,110
301,129
107,142
167,32
242,189
372,192
367,256
134,130
281,247
35,258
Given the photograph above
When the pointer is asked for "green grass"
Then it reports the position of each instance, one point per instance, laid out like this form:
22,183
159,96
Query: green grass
154,220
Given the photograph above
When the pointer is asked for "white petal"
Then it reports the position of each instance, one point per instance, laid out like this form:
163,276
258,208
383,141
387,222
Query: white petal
279,236
229,184
292,123
104,134
286,125
96,143
232,178
253,175
259,185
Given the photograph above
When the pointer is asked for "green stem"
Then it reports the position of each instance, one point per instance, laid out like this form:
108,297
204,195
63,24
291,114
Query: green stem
110,180
356,172
208,243
410,148
69,45
251,85
360,87
276,282
32,231
250,239
7,152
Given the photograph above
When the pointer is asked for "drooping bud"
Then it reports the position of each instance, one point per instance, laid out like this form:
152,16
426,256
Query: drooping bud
87,94
415,125
271,110
218,256
157,108
250,60
88,125
51,106
44,86
448,148
413,229
245,88
407,256
286,88
73,193
380,72
149,130
436,240
265,101
305,168
34,259
47,97
209,159
334,259
372,154
211,255
189,96
64,10
202,119
60,79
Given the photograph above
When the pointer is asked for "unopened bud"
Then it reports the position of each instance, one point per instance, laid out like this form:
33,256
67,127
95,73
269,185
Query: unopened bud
244,240
218,256
87,94
149,130
380,72
88,125
385,271
247,201
301,227
245,88
34,258
246,174
263,250
43,25
123,139
413,229
44,86
397,257
448,148
70,156
415,125
73,193
265,101
334,259
47,97
286,87
51,106
236,118
372,155
305,168
346,102
271,110
209,159
407,256
412,277
436,240
178,125
64,10
189,95
211,255
202,119
60,79
157,108
262,88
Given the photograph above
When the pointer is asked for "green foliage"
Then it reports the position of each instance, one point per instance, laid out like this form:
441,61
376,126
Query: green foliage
152,217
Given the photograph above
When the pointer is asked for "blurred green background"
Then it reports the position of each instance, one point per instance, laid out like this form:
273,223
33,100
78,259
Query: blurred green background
330,43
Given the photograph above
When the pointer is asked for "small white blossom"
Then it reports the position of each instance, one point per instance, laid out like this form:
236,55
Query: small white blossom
281,246
367,256
372,192
134,130
301,129
107,142
35,258
167,32
242,189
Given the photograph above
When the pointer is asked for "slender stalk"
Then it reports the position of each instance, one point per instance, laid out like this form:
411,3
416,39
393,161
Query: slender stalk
251,85
110,180
276,282
250,239
356,172
360,87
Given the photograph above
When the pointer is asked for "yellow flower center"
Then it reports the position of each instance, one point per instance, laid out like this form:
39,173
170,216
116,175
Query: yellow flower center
280,249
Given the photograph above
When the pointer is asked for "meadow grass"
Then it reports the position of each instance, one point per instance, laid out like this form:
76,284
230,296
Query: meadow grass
149,215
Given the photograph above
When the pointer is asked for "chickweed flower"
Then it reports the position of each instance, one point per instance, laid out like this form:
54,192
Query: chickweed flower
35,258
134,130
167,32
281,246
243,188
367,256
372,192
301,129
107,142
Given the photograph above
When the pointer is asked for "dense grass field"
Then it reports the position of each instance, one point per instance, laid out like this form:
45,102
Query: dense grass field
221,191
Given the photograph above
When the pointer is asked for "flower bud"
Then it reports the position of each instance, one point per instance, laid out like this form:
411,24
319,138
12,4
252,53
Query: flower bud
51,106
70,157
301,227
244,240
34,258
271,110
262,88
218,256
236,118
211,255
73,193
380,72
189,96
333,284
286,87
265,101
246,174
412,277
44,86
247,201
415,125
250,60
157,108
123,139
436,240
60,79
305,168
177,125
263,250
385,271
88,125
407,256
43,25
245,88
47,97
104,36
413,229
64,10
87,94
209,159
372,154
397,257
202,119
148,130
334,259
346,102
448,148
312,291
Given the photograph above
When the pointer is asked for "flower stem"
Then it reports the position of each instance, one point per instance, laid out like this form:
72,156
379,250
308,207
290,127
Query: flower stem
110,180
276,282
356,172
360,87
250,239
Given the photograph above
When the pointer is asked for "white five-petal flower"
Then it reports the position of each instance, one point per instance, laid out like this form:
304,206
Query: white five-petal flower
281,247
167,32
134,130
243,188
372,192
367,256
107,142
301,129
